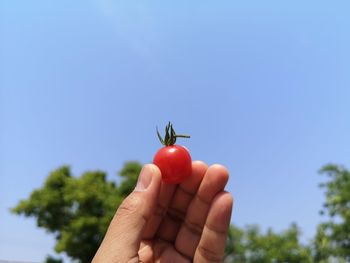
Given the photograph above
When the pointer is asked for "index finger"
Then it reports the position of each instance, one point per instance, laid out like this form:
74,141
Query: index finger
165,195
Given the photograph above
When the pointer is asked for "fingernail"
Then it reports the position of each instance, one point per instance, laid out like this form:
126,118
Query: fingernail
145,179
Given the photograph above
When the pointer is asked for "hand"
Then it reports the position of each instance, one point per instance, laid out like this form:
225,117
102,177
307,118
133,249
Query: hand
159,222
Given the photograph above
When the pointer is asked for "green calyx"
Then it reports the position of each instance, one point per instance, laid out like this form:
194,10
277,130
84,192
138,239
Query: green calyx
170,135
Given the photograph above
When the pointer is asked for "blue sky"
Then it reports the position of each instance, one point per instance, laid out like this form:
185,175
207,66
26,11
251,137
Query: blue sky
263,87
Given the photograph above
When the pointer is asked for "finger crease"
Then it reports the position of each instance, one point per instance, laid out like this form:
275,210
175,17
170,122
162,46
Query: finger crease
209,255
185,256
194,228
130,212
161,246
186,192
160,210
175,214
213,229
202,200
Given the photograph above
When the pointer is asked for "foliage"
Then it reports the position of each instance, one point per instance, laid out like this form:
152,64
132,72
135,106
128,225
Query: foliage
129,173
235,249
254,247
332,241
51,259
77,210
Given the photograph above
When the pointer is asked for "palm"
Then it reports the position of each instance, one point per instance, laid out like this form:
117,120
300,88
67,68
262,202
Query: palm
191,219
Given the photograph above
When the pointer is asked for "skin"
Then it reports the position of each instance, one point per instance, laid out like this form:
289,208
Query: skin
160,222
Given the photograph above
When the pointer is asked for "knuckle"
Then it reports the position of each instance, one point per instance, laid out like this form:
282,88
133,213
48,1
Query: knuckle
131,205
160,210
175,214
209,255
194,228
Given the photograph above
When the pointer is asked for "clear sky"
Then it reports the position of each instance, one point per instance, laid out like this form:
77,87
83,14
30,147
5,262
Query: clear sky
263,87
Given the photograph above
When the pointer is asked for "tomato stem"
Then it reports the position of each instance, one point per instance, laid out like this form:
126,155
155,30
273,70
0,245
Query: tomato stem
170,135
182,136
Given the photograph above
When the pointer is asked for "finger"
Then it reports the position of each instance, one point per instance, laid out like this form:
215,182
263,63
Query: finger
180,199
212,244
146,254
164,198
123,237
184,194
165,253
191,229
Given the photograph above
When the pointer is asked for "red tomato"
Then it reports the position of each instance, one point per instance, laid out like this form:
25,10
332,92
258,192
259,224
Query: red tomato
174,162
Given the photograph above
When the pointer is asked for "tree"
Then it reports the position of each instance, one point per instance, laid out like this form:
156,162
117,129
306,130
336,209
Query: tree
251,246
332,240
77,210
235,250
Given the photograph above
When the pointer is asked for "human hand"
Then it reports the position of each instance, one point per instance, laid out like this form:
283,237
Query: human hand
160,222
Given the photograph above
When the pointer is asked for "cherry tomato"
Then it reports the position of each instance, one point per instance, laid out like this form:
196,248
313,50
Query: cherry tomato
174,161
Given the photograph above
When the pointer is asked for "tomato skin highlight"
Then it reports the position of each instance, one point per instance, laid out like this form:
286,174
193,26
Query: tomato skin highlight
174,162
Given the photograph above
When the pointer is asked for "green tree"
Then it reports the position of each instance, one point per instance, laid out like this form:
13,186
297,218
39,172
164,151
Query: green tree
255,247
332,241
77,210
235,250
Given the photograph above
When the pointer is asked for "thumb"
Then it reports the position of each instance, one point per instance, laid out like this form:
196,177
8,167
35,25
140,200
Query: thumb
123,238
